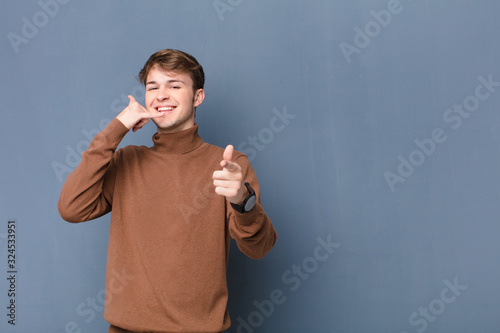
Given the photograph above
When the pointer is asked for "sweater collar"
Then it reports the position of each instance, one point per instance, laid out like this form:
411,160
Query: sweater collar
179,142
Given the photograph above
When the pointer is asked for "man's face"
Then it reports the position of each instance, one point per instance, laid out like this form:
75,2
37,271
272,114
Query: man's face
172,93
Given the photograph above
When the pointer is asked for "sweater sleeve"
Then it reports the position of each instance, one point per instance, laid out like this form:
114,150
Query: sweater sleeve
253,231
88,191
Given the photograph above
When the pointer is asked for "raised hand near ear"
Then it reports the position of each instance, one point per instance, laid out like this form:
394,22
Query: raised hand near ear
229,181
134,116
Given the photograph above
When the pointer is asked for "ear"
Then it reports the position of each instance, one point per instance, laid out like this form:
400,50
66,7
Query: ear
199,96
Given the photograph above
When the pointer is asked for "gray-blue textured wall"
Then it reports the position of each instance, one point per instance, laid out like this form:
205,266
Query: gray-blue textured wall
373,127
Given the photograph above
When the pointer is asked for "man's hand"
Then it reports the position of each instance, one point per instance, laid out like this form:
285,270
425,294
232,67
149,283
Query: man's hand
229,181
134,116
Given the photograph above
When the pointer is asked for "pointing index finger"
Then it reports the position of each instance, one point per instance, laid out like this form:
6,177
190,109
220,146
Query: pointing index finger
231,166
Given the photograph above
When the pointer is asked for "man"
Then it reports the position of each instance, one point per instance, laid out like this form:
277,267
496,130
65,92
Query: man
174,207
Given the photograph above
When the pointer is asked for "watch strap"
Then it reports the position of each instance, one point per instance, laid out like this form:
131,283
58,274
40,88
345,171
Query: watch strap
248,201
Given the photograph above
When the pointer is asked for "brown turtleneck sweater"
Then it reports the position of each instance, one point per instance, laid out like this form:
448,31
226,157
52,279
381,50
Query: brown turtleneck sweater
170,233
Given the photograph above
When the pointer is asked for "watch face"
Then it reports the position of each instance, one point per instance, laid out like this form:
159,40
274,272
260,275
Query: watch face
250,203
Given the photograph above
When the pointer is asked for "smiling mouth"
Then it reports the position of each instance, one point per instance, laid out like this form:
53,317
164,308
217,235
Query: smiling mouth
166,108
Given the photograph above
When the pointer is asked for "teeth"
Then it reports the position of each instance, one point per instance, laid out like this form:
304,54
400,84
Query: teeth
166,108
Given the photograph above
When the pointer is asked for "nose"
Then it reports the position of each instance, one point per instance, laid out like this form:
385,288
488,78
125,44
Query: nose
162,94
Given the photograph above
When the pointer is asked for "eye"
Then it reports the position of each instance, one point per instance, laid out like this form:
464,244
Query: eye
152,88
176,87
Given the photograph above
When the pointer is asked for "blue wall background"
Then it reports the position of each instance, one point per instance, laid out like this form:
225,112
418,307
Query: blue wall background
373,127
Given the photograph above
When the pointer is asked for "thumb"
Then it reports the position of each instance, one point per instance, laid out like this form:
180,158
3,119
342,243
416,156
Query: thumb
228,153
131,99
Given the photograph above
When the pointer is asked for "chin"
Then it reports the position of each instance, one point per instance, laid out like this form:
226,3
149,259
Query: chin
175,127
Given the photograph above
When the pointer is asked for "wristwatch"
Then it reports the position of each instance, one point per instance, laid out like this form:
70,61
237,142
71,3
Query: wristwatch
249,201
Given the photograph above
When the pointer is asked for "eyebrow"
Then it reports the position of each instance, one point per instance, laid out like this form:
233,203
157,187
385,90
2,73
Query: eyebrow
169,81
